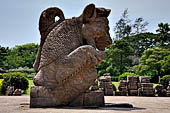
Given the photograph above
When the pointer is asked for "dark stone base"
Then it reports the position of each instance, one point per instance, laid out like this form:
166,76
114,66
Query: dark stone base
41,97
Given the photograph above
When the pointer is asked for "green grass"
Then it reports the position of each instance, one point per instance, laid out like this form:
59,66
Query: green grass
30,84
116,84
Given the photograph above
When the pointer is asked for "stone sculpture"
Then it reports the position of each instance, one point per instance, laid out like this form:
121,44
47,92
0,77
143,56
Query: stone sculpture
68,54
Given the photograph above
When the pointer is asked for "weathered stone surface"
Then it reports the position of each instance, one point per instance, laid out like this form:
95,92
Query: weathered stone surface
120,93
78,102
17,92
132,92
131,79
105,79
108,92
94,98
147,92
159,87
132,86
93,88
144,79
146,84
10,90
68,54
123,89
123,83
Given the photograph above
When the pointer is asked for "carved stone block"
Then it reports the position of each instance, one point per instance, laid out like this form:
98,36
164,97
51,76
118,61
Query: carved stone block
131,79
94,98
132,92
132,86
108,92
144,79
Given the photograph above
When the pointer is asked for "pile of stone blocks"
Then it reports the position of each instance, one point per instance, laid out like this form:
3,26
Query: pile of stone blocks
132,85
145,87
106,84
160,91
122,88
14,92
144,79
89,99
94,86
168,90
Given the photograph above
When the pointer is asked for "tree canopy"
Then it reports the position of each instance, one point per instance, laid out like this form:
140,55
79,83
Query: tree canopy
20,56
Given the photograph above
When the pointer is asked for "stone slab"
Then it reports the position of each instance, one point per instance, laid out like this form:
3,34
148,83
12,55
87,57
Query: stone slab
93,98
108,92
132,92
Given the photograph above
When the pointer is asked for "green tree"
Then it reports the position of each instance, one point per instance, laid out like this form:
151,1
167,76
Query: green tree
117,60
3,54
22,56
123,27
142,42
139,25
163,31
166,65
151,63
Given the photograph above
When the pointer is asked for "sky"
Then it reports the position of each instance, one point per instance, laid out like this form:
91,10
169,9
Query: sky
19,18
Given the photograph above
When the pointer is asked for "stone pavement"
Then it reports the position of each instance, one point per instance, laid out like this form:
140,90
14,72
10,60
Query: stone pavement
20,104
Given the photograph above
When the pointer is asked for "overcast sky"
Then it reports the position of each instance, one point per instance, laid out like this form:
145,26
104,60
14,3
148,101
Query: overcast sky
19,18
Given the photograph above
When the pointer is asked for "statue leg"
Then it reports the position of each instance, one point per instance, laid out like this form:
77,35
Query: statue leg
84,56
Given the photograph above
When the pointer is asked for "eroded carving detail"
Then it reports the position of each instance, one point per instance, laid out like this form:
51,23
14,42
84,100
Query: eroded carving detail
67,57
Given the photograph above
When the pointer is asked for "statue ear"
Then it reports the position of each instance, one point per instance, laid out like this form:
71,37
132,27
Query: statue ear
89,14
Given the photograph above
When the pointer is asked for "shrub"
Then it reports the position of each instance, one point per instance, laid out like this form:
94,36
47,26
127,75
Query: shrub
15,79
30,76
0,86
165,80
1,77
125,74
101,72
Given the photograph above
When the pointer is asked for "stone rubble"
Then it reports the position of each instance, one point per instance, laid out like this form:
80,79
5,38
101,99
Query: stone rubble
106,84
145,87
168,90
132,85
122,88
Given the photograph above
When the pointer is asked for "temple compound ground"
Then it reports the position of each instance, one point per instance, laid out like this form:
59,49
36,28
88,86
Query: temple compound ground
20,104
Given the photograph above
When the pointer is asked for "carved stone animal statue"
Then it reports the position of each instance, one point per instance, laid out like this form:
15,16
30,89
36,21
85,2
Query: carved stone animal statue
68,54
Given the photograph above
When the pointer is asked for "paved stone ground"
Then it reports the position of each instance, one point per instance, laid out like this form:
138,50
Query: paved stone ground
20,104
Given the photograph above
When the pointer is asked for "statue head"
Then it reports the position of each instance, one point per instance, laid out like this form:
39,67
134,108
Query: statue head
95,27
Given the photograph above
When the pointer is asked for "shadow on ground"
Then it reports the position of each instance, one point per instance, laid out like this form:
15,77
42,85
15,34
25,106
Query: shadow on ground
108,106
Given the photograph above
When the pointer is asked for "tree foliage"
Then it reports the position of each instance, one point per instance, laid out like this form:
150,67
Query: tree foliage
142,42
3,55
165,80
163,31
165,65
21,56
151,63
117,60
139,26
123,27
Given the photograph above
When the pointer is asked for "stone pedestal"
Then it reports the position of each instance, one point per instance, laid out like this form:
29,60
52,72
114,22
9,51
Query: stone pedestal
106,85
132,85
122,88
145,87
43,97
93,99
